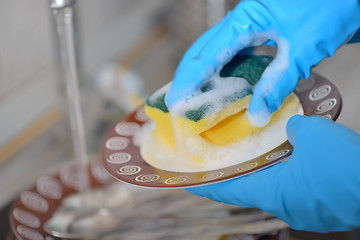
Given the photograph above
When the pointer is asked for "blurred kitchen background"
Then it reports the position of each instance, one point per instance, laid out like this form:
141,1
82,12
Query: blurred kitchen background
126,49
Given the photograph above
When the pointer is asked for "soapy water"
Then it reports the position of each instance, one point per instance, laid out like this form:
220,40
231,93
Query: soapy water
158,155
214,93
191,147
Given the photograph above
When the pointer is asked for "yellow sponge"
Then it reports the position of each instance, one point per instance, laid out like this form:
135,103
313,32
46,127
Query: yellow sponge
164,128
237,126
231,129
225,126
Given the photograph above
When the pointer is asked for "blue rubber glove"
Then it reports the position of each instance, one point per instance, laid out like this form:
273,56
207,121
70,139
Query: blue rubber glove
317,189
305,32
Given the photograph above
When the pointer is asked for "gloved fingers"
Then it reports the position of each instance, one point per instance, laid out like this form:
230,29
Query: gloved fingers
315,190
310,125
242,28
229,192
249,191
275,84
292,127
200,42
184,84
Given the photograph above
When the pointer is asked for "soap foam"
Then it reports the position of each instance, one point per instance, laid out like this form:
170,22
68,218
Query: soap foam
160,92
260,118
213,156
217,97
271,77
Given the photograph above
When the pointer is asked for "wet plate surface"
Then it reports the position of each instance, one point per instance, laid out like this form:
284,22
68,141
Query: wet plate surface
122,159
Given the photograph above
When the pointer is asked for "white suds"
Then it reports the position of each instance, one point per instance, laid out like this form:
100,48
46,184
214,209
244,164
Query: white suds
213,156
217,97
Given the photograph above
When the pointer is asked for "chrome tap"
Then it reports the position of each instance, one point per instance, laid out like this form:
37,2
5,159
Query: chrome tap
55,4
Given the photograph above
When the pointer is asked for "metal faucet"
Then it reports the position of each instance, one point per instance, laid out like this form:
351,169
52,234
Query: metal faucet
55,4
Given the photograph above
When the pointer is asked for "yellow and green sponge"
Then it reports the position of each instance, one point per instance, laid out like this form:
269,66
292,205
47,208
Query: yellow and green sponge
225,126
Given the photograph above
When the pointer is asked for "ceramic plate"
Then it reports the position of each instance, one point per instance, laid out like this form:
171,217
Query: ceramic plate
35,206
123,161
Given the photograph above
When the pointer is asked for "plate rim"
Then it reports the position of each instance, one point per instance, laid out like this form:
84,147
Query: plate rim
315,79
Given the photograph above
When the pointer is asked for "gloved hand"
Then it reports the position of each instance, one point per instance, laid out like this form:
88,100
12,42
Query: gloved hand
317,189
304,31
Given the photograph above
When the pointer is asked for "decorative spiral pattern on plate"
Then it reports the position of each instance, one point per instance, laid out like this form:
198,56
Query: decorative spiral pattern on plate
246,166
129,170
72,176
277,154
117,143
119,157
141,115
26,218
326,105
212,176
29,233
100,174
147,178
176,180
320,92
305,85
34,201
327,116
49,187
127,128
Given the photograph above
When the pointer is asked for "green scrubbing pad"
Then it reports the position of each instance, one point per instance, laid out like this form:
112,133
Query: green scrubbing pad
245,66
